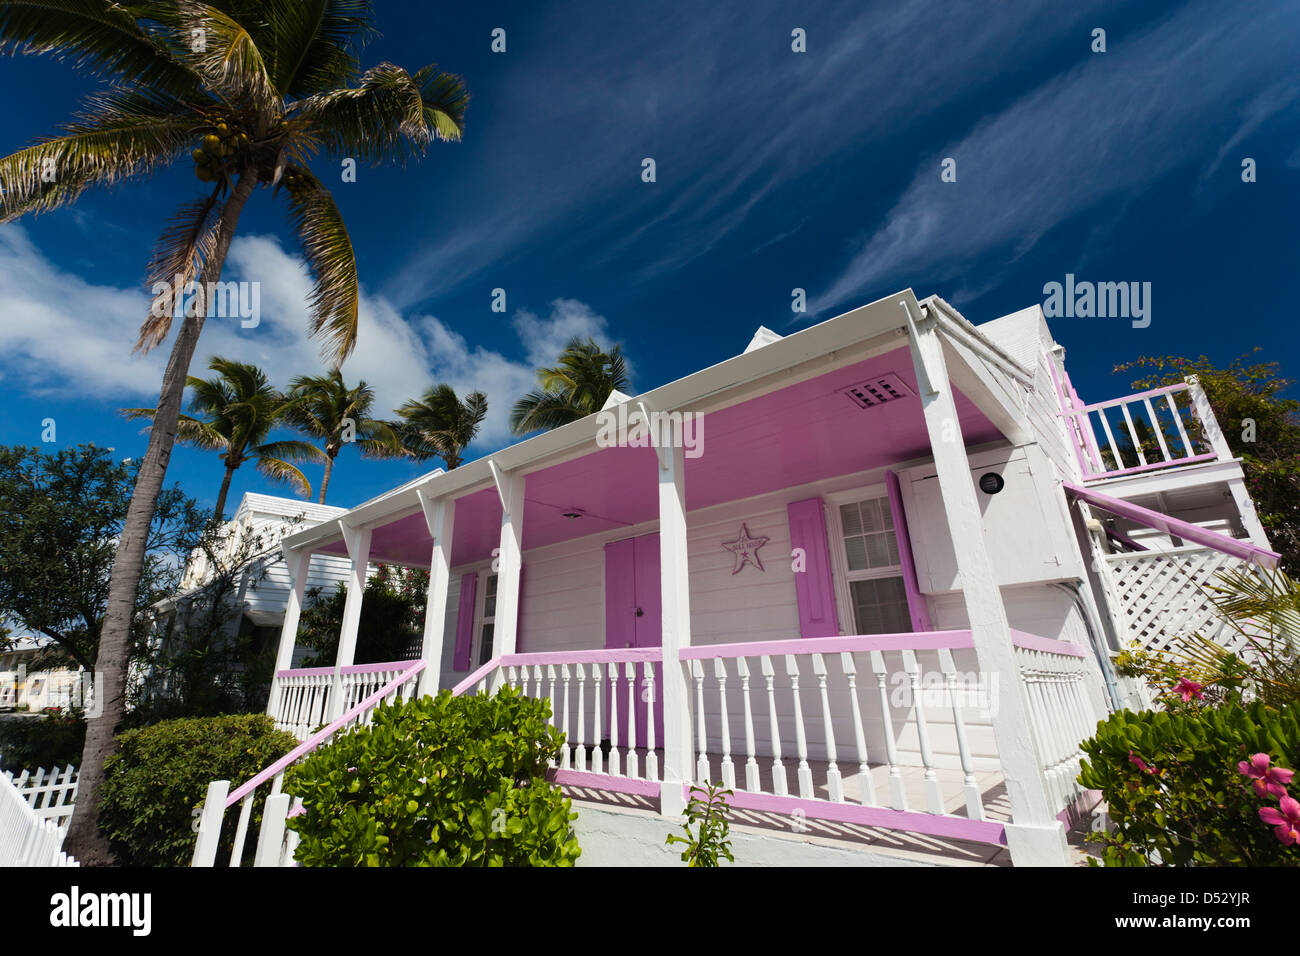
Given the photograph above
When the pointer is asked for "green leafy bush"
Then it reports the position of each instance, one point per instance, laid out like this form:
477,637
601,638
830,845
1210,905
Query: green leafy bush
159,777
1174,789
53,741
437,781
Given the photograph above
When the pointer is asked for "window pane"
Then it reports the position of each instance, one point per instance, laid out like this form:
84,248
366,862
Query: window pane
855,550
878,550
851,520
485,645
880,606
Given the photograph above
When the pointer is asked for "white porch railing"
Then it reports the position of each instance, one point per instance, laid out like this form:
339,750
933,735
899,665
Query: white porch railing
26,839
1169,438
51,796
883,730
602,701
304,694
1163,595
275,843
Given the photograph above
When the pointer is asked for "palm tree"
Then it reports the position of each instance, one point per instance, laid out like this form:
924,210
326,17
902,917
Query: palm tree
240,408
252,90
324,407
577,386
440,424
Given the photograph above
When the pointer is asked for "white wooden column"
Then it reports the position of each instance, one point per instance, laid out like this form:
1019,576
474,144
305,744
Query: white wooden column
1035,837
297,564
505,630
440,516
675,599
358,545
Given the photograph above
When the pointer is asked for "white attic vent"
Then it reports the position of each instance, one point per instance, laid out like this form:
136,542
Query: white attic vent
877,391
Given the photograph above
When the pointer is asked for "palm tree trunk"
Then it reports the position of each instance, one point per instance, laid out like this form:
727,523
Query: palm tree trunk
325,482
219,512
84,840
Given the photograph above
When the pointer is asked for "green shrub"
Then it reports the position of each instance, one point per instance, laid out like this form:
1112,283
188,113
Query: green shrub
1174,790
49,742
710,840
159,776
437,781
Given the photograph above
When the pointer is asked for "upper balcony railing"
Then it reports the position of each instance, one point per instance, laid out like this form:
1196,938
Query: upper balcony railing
1159,428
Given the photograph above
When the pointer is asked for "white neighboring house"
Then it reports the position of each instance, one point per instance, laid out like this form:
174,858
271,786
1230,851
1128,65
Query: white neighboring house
263,585
22,687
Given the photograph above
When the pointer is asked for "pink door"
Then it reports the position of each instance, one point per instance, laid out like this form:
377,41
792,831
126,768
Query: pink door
633,619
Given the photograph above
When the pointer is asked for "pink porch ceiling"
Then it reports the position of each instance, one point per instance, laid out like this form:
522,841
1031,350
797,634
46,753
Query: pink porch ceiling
803,433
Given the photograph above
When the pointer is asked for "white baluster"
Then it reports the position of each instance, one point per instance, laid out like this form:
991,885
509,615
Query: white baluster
651,757
859,737
897,793
633,768
778,770
933,793
801,741
613,719
597,753
728,768
555,716
701,745
580,756
752,783
970,788
565,756
834,785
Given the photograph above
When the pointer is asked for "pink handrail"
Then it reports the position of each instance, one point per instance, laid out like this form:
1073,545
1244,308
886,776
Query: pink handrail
903,641
315,740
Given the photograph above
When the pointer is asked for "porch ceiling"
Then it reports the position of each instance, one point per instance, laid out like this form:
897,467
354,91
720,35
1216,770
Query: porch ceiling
799,434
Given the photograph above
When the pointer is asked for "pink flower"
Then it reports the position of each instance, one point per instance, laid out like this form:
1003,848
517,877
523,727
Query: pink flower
1188,689
1267,780
1138,762
1286,823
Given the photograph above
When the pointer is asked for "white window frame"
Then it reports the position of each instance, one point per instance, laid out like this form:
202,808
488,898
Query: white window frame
480,616
840,572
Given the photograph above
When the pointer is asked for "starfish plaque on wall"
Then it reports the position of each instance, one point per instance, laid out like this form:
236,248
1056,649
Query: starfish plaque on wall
745,549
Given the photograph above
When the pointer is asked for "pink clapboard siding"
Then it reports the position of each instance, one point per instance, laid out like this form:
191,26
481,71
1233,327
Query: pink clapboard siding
814,588
465,621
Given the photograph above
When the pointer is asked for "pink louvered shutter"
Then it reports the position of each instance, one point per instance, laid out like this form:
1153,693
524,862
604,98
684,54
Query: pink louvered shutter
465,622
813,587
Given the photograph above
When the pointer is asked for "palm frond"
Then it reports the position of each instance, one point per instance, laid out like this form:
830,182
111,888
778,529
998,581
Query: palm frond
290,450
229,59
177,259
327,247
317,43
105,39
120,135
391,115
284,473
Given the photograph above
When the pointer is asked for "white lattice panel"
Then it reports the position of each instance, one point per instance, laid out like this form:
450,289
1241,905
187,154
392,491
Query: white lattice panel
1165,595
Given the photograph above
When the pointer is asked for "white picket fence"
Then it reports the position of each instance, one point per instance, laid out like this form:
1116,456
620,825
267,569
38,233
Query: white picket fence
52,794
26,837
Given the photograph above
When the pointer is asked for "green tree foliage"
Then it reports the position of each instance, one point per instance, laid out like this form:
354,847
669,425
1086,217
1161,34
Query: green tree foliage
1261,427
61,516
157,780
437,781
326,408
576,386
272,87
237,410
1174,790
440,425
51,741
392,617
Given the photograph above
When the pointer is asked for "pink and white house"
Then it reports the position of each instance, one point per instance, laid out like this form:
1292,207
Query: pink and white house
869,575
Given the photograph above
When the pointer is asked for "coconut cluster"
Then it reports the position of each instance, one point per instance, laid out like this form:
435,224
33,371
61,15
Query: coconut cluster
216,148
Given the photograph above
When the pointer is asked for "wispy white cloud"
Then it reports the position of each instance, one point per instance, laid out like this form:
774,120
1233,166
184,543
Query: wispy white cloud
1108,128
63,336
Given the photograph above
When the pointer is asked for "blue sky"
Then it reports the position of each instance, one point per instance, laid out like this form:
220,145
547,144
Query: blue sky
775,170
